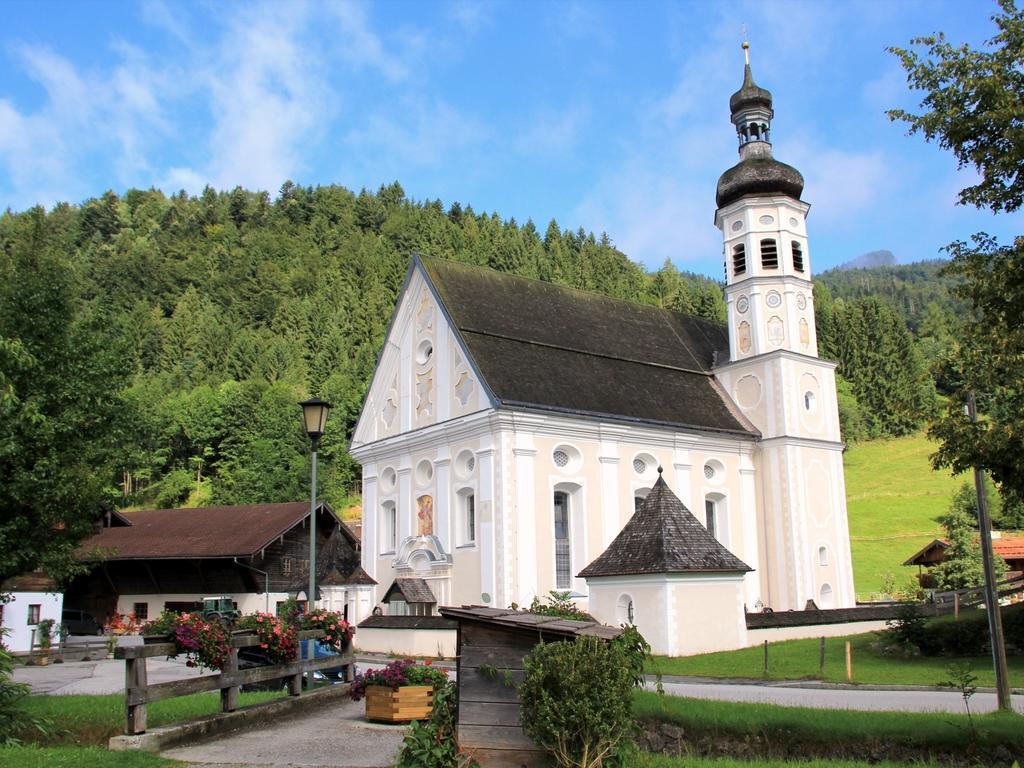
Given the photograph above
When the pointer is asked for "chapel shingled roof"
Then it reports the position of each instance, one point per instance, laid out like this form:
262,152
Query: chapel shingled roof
411,589
542,346
663,536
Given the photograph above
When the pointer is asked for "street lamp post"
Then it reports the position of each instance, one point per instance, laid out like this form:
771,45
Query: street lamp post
314,415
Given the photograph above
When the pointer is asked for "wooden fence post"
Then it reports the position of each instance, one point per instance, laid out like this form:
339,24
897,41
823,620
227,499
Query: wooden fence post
135,680
766,657
229,695
821,659
956,606
849,663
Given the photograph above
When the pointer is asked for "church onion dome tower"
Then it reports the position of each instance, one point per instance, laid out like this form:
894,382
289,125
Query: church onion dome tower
757,173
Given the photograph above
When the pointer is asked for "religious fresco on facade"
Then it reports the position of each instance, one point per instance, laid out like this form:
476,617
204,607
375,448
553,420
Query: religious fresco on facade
425,516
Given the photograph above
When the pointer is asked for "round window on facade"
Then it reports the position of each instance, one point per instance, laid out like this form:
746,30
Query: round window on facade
388,479
465,463
424,472
424,351
566,458
714,471
644,464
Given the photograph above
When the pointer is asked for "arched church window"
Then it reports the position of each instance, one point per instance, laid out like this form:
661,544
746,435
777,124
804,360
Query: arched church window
709,516
563,560
798,257
769,254
822,555
739,259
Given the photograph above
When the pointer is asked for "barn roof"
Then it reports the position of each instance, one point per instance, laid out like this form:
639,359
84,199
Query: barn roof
36,581
508,618
201,532
930,554
543,346
663,537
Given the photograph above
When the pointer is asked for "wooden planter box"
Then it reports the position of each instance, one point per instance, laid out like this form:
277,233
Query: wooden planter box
410,702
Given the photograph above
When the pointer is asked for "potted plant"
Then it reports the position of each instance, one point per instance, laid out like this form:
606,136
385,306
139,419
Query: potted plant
204,643
400,692
44,632
337,632
278,640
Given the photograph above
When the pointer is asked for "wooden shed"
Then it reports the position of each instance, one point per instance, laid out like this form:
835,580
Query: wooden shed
492,643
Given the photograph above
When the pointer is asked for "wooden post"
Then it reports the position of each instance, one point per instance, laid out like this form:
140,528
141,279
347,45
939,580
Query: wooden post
135,681
956,606
229,695
295,685
849,663
766,657
821,659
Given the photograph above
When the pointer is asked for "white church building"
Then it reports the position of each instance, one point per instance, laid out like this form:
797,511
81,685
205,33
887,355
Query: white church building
513,427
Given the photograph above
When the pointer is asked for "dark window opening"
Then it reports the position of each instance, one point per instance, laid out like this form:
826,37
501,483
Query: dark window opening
33,613
709,516
769,254
141,611
739,259
798,257
562,559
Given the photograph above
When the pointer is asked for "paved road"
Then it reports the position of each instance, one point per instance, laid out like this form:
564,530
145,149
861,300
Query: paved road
826,696
335,737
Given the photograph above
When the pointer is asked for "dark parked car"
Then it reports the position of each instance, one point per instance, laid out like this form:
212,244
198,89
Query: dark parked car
249,658
78,622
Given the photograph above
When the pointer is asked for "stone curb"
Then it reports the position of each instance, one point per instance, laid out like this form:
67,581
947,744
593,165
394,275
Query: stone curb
159,739
814,684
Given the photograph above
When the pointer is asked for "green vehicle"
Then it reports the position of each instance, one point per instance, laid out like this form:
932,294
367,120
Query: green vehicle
221,608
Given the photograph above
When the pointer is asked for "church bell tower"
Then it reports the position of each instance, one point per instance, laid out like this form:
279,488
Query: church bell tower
774,373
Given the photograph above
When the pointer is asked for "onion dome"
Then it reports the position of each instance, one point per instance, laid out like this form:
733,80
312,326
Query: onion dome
757,173
758,176
750,94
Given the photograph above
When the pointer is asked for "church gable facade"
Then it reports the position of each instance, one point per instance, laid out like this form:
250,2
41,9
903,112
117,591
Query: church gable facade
513,427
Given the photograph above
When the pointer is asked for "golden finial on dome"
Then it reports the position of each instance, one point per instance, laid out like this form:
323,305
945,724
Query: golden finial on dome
746,52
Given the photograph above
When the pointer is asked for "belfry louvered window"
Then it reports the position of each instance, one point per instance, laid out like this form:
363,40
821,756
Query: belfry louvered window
739,259
769,254
798,257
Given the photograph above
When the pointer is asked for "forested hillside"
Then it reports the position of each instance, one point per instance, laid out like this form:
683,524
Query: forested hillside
220,312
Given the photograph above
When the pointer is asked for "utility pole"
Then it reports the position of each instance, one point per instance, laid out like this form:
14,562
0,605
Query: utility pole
995,619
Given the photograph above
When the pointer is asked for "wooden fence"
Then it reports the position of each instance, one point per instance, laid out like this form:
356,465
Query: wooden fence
138,692
975,596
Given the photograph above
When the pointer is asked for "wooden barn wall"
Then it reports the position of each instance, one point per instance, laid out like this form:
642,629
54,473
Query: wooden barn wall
489,724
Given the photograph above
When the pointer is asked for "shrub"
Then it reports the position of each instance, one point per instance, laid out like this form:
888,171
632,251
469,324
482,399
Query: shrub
576,696
561,605
433,744
13,719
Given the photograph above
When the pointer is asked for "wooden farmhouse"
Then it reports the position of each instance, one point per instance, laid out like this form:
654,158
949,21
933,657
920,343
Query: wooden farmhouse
491,646
258,555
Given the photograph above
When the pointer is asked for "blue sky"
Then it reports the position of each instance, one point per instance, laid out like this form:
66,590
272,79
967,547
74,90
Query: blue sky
612,116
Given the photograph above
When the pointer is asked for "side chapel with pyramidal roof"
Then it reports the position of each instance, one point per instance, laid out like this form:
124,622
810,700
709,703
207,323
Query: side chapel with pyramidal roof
519,437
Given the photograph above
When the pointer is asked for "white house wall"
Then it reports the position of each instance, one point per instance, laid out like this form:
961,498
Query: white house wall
15,617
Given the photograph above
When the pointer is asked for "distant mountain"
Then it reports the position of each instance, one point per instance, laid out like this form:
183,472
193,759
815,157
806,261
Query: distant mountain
868,260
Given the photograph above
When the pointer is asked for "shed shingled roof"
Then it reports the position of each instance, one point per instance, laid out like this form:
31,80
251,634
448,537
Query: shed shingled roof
542,346
663,536
509,618
202,532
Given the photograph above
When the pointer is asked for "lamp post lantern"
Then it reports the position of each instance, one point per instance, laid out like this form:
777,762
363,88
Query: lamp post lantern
314,416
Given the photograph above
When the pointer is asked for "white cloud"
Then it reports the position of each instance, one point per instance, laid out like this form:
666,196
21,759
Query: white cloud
360,45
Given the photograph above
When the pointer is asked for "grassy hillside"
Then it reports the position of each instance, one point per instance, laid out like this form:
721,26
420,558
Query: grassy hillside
894,500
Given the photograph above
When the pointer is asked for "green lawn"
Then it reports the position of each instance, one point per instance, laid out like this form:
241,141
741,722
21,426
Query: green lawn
795,659
936,730
78,757
92,720
894,499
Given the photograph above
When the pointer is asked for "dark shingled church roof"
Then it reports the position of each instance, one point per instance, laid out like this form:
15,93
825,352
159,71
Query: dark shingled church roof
540,345
411,590
663,537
